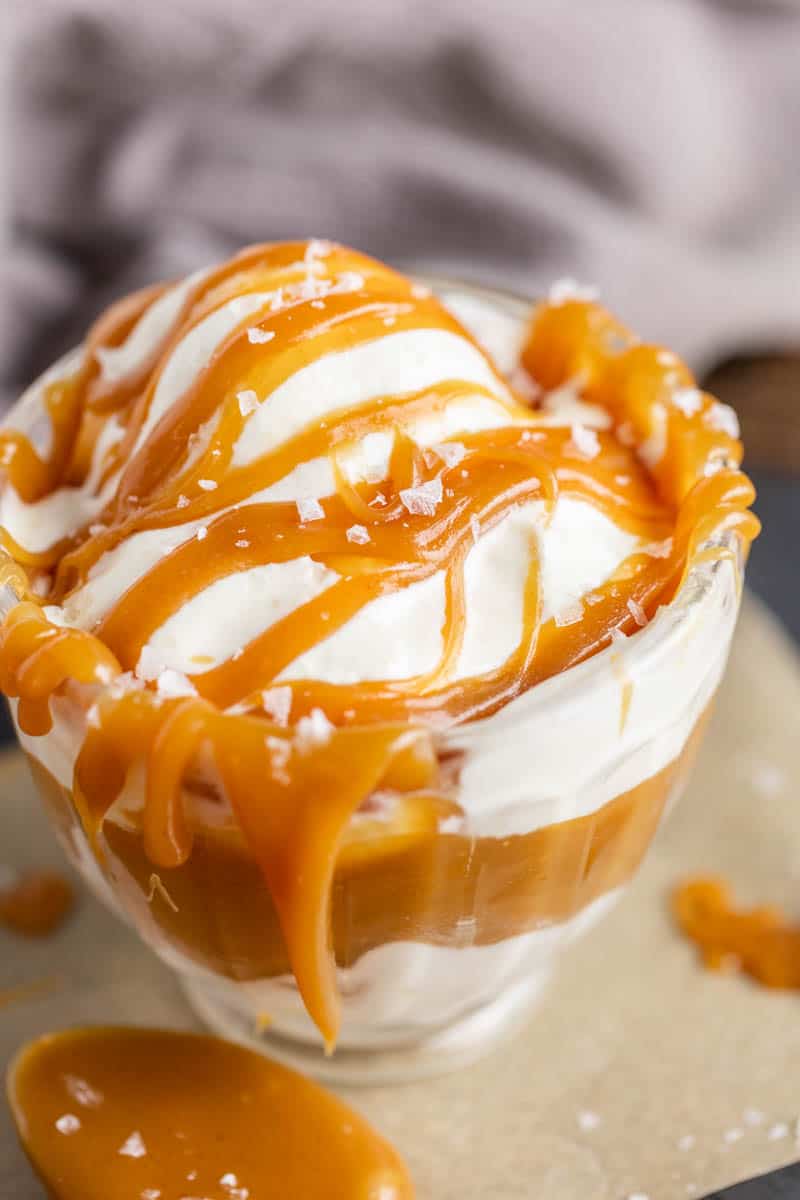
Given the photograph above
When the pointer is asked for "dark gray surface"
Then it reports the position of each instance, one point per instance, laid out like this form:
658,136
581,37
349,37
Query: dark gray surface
777,1185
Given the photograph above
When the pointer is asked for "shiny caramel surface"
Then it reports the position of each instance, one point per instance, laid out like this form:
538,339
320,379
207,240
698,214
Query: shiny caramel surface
36,903
760,942
138,1114
293,802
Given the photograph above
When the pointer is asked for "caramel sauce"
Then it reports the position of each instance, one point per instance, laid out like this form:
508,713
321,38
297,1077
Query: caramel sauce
137,1114
37,903
294,803
760,942
397,878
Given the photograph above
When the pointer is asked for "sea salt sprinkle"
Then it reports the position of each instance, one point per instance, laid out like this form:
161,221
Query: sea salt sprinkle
637,612
753,1116
260,337
310,510
313,731
83,1092
277,703
133,1146
424,499
451,453
208,485
583,441
241,544
564,290
182,501
686,1142
68,1124
688,400
777,1131
231,1184
569,615
733,1135
722,419
588,1120
358,534
248,401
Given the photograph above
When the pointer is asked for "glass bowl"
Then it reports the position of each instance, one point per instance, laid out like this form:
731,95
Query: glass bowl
446,927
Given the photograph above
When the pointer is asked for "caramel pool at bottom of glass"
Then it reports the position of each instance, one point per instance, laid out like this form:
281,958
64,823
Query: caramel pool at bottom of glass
411,884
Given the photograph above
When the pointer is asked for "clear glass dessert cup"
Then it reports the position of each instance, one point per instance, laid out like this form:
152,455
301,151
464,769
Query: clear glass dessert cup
446,928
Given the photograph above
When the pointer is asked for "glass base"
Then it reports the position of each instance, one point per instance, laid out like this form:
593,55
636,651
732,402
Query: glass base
435,1053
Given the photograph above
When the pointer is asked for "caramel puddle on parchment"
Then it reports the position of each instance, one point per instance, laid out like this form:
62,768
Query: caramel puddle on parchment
36,903
110,1114
759,942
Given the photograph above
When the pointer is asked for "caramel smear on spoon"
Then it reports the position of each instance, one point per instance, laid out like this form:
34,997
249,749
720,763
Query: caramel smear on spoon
759,942
36,903
140,1114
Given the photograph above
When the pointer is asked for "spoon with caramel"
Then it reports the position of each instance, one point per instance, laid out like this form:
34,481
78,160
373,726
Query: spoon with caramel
142,1114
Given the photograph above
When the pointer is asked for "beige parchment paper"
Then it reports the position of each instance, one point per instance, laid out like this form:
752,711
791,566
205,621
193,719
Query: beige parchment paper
639,1073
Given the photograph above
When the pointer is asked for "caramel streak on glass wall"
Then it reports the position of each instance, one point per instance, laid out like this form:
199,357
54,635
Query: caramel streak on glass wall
287,523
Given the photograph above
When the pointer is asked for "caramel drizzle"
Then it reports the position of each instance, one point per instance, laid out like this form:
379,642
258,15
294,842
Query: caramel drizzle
293,801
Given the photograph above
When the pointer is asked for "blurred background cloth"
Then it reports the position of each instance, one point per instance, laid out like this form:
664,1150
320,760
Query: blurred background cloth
649,148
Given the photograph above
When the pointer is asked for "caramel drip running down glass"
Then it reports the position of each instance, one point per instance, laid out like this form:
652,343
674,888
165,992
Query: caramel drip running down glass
358,632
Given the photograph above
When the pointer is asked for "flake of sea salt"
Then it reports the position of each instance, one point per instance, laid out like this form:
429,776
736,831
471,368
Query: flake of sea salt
358,534
317,303
231,1184
277,703
688,400
133,1146
637,612
592,598
622,480
588,1120
259,337
95,530
424,499
564,290
722,419
241,544
777,1131
753,1116
584,441
150,1194
451,453
638,1196
67,1124
733,1135
171,684
202,533
686,1142
248,401
378,500
280,752
208,485
569,615
182,502
82,1091
389,321
309,510
313,731
348,281
419,291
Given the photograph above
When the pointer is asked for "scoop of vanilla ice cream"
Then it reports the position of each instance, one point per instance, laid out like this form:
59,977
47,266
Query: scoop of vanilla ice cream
396,636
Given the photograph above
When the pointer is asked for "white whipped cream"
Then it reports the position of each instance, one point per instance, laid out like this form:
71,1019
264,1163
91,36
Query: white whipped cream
396,636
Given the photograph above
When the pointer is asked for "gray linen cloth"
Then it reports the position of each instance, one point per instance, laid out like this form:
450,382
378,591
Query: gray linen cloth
647,146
